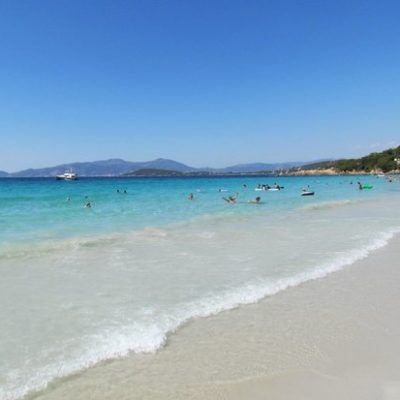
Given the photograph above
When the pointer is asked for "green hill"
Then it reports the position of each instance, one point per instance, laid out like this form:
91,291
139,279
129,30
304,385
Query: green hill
384,161
153,172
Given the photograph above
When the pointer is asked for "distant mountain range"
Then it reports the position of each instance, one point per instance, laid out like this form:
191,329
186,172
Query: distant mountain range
116,167
112,167
257,167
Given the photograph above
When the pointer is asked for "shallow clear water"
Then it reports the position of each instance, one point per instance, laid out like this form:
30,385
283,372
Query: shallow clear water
82,285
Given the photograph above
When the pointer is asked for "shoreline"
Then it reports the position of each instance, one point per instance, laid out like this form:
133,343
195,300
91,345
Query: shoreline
270,174
317,337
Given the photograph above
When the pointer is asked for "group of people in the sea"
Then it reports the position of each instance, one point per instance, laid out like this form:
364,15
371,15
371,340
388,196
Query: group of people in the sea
257,200
88,203
306,191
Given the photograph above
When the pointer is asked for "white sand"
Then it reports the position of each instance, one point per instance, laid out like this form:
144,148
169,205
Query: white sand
334,338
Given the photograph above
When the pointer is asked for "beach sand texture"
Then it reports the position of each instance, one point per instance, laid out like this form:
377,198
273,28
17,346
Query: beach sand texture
337,337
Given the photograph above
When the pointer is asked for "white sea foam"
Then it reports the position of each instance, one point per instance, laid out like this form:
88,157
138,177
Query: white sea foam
121,340
252,293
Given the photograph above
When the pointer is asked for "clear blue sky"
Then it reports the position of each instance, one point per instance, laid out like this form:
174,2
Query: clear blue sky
203,82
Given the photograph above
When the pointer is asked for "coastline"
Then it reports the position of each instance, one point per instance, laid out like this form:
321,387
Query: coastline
177,174
334,337
334,172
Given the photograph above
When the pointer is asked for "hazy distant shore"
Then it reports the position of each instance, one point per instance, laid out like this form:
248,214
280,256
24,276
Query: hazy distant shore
176,174
332,172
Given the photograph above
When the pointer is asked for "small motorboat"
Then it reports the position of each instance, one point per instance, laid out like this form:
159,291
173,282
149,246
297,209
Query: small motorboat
67,176
308,193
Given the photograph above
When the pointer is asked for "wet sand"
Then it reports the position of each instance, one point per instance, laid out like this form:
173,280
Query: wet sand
336,337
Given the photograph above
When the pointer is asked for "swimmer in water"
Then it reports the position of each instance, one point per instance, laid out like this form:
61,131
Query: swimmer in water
191,197
88,205
68,198
231,199
257,200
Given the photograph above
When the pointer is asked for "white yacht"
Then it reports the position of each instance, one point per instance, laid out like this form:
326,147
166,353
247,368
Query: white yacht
67,176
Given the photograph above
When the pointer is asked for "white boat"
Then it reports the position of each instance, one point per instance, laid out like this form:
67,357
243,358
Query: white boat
67,176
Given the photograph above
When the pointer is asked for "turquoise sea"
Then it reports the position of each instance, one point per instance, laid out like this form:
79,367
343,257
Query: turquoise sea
32,210
81,285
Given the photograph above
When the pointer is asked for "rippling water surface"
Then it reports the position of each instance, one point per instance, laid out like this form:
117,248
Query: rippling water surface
80,285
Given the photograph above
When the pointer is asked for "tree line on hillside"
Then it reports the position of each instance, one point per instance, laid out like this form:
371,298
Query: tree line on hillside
384,161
